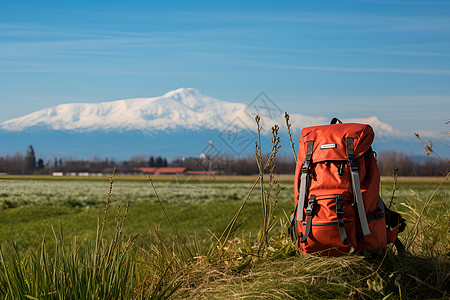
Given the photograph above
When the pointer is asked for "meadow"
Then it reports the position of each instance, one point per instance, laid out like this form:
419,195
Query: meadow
32,205
173,253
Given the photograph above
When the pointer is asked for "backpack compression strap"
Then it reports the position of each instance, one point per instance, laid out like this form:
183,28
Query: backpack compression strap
357,196
340,218
309,210
304,182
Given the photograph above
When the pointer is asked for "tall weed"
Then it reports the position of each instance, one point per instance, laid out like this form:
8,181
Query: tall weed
100,269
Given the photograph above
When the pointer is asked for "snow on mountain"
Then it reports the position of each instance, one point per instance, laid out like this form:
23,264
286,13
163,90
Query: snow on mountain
381,129
184,108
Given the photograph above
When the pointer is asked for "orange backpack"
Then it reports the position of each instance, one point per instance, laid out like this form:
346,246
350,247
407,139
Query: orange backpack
337,205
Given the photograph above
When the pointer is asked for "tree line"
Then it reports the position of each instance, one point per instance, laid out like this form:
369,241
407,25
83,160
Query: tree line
410,166
21,164
28,163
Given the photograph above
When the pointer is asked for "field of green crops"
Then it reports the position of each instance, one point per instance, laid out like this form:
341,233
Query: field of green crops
33,209
29,207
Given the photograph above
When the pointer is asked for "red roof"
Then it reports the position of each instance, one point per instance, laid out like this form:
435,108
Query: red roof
164,170
147,170
169,170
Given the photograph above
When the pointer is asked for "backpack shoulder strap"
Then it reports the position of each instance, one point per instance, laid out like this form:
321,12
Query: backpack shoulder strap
357,196
304,181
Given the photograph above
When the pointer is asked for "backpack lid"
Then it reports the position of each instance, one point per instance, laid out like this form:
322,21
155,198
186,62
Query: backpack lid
330,141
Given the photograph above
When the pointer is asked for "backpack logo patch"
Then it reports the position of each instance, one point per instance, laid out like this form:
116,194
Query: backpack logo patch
328,146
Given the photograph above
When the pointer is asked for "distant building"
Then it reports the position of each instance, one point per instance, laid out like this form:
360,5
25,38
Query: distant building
76,174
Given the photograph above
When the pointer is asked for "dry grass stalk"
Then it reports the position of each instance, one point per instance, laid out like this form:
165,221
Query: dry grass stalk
394,186
302,277
167,217
413,233
268,201
111,181
288,125
428,146
231,226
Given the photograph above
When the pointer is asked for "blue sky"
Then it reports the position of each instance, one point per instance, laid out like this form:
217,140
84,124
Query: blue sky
351,59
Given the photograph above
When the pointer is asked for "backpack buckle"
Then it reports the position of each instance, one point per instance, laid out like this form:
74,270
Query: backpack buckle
310,206
305,167
308,158
352,163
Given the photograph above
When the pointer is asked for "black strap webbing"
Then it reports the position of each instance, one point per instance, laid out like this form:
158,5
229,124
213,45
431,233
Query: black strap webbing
304,181
340,218
293,229
335,121
309,216
357,196
394,219
375,216
399,245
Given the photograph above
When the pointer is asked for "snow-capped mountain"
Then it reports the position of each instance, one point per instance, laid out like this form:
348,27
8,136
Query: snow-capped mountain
181,109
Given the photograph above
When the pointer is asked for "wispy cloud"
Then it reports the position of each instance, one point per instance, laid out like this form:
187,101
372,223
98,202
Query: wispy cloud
342,21
414,53
100,71
67,45
434,134
409,2
402,50
423,49
354,69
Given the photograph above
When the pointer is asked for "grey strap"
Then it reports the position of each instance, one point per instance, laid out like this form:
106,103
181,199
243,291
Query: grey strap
302,195
340,218
357,196
304,181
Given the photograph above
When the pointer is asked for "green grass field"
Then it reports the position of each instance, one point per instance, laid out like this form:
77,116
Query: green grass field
31,205
198,207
